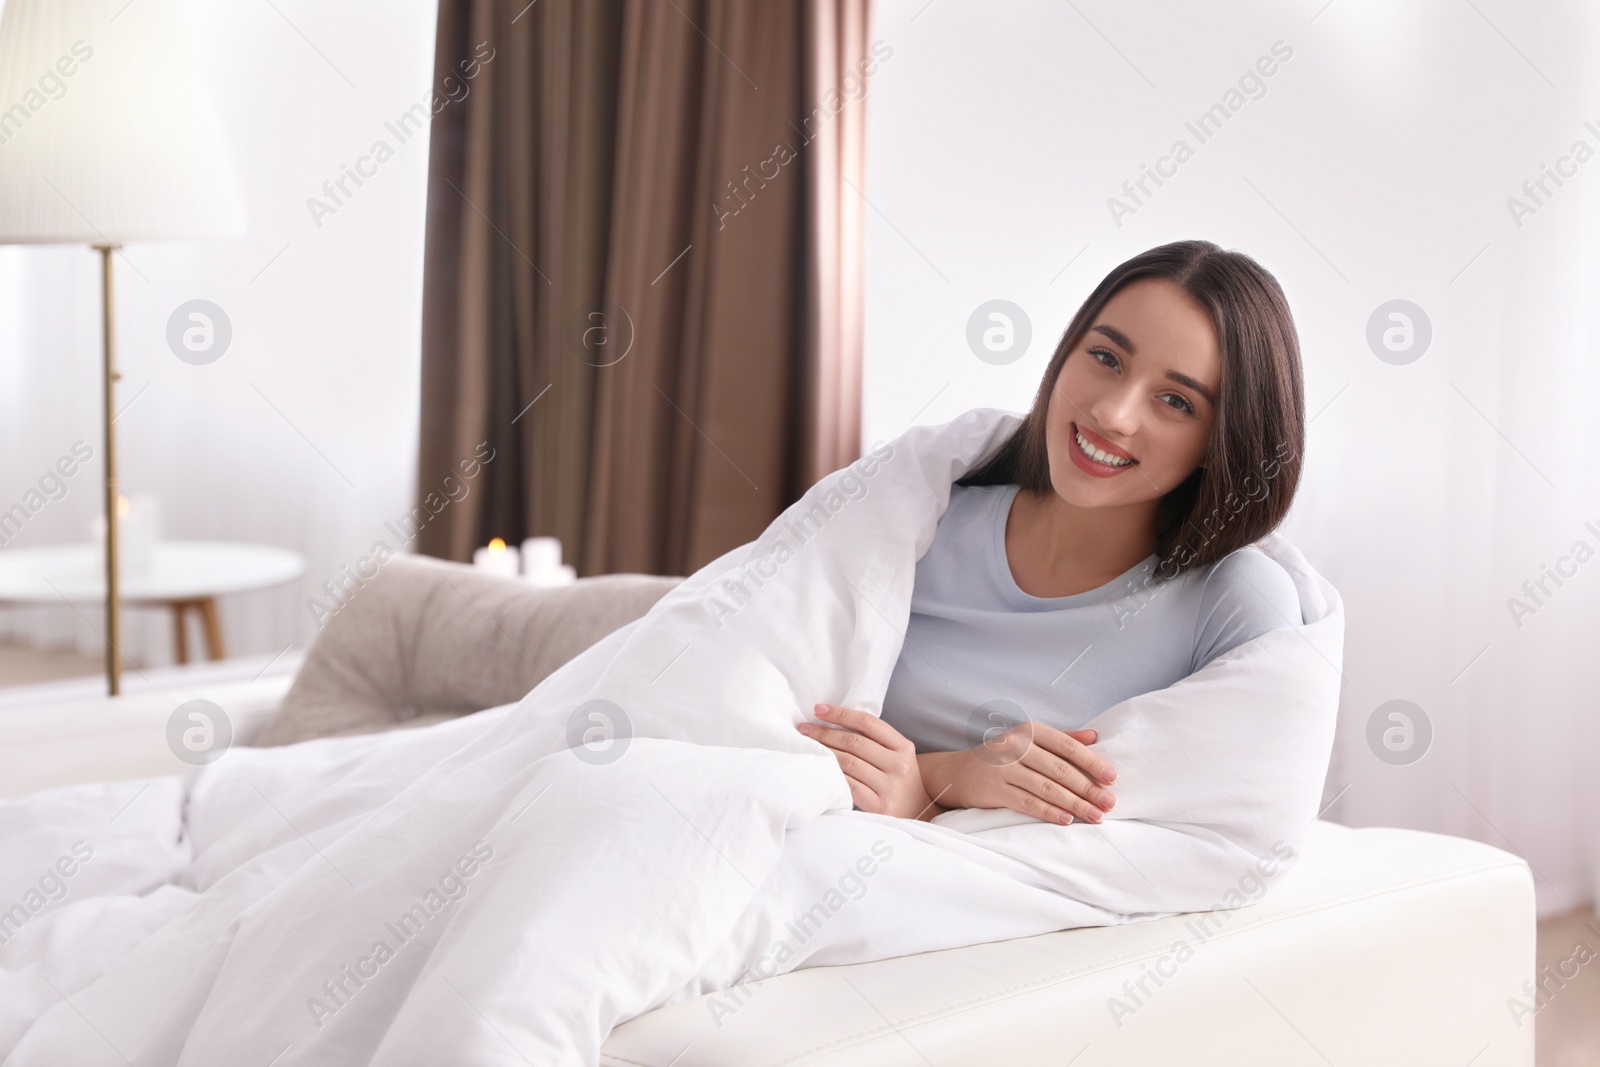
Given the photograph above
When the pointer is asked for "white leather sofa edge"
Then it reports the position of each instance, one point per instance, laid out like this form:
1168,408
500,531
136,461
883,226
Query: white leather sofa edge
1384,948
110,739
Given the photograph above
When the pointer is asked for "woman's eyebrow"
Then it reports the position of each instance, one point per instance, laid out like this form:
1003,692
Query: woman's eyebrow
1121,340
1184,379
1117,337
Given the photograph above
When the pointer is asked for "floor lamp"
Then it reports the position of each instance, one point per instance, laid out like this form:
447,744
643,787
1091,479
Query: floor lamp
108,136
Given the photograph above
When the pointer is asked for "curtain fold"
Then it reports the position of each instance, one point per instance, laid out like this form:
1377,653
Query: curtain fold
642,284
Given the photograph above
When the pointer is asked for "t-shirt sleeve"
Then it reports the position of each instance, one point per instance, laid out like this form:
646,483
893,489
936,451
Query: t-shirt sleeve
1247,593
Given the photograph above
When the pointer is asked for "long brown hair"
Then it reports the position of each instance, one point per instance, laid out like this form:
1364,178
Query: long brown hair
1253,461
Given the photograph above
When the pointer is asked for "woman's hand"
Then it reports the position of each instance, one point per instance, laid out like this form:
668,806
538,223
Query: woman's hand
1030,768
878,760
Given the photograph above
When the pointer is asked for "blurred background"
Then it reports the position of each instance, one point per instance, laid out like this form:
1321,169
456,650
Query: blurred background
1421,178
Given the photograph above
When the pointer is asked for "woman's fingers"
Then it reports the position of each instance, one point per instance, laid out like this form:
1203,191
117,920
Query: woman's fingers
1021,800
1044,762
1052,792
860,735
1075,752
856,754
864,722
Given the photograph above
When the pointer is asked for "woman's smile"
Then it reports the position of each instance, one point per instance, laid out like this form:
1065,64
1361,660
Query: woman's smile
1095,455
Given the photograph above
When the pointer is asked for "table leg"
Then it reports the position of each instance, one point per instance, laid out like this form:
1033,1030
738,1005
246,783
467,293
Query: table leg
213,625
180,635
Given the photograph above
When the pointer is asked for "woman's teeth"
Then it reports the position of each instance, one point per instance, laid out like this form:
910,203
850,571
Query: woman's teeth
1098,456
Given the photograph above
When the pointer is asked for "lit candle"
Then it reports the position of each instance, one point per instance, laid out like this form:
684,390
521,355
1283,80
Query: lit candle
140,527
496,558
138,530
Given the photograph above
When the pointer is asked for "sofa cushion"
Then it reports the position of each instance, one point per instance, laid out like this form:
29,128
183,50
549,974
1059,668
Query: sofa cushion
428,640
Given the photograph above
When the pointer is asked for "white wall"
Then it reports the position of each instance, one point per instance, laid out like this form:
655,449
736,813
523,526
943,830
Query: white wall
1377,166
329,332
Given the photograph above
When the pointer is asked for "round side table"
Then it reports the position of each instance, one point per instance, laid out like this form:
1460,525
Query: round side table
183,576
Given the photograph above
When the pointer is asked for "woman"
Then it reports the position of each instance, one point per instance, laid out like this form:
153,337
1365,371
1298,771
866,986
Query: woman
1103,552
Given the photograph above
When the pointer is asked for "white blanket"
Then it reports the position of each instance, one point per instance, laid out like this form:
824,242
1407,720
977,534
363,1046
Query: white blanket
483,892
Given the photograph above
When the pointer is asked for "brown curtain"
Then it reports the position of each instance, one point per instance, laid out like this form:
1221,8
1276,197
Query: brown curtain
642,285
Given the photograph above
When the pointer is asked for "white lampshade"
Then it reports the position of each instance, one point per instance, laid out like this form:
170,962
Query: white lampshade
125,147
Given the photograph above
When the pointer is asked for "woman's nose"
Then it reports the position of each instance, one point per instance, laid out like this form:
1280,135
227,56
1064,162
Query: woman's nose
1116,412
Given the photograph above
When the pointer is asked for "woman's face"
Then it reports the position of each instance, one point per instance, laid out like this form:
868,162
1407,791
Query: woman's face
1141,385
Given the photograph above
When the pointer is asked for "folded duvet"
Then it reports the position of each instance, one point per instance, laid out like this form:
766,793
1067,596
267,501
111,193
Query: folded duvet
644,827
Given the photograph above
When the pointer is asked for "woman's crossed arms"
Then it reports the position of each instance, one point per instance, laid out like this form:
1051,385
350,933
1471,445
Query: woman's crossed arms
1029,768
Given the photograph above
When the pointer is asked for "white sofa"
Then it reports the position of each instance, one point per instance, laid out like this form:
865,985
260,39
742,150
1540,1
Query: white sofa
1382,946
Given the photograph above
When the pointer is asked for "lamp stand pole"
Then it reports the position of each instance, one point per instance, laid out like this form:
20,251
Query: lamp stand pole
113,592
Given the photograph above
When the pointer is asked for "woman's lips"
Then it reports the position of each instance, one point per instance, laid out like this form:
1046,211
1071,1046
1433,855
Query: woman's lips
1090,465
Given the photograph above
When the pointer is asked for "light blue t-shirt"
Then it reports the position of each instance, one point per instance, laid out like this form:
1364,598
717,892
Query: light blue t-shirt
979,650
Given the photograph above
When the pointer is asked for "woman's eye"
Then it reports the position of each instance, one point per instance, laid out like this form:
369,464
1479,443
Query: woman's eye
1182,402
